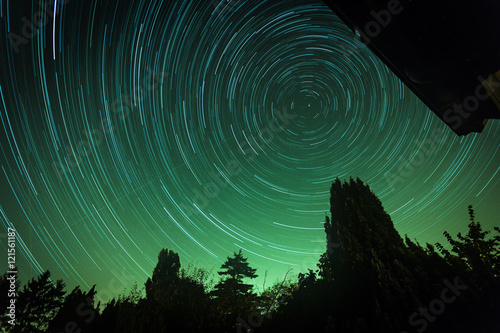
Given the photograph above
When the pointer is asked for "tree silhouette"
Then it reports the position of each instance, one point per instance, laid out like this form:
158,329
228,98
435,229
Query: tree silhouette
478,254
165,277
77,312
369,279
121,314
233,297
478,259
37,304
369,262
276,295
175,301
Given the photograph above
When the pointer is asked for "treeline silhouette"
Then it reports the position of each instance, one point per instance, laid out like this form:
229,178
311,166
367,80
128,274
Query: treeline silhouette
369,279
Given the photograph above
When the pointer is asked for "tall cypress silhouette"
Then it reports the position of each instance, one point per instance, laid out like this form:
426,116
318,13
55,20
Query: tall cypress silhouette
174,301
359,232
367,257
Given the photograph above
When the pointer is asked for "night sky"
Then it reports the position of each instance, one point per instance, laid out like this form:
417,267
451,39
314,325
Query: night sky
206,127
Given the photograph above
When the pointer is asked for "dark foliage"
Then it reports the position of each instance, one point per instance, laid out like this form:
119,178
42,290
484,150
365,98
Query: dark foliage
231,297
76,313
369,279
36,305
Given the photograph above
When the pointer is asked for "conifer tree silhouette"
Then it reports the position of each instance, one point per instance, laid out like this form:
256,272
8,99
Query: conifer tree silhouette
233,297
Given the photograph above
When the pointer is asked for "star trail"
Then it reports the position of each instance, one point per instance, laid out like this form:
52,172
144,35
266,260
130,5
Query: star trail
206,127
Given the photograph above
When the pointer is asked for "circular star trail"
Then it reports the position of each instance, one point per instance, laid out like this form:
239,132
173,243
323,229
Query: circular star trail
206,127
